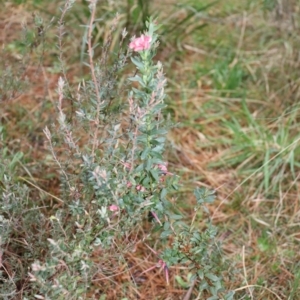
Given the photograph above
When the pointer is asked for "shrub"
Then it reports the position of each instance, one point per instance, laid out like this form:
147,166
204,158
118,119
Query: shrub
116,188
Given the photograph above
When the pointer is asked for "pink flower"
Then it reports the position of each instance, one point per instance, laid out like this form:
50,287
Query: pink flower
164,169
156,217
113,207
162,265
140,188
141,43
129,184
127,165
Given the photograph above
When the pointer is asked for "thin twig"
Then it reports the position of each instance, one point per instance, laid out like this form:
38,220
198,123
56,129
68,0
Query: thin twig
40,189
258,286
92,67
245,271
189,292
61,33
48,136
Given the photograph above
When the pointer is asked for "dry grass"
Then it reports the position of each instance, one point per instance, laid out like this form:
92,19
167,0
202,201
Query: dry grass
259,222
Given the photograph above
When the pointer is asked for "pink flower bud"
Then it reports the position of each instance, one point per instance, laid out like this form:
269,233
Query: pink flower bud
156,217
140,188
141,43
129,184
127,165
113,207
163,168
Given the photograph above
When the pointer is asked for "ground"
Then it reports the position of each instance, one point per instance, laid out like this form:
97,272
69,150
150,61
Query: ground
233,90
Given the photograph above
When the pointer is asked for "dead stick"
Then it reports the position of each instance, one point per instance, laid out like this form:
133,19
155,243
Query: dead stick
189,292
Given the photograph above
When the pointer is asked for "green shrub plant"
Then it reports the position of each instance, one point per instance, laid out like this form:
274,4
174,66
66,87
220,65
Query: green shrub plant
116,188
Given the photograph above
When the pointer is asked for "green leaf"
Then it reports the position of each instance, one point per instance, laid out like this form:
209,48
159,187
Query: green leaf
176,217
229,295
154,174
145,153
163,193
213,298
165,234
137,62
149,164
166,226
146,181
137,79
203,195
181,282
17,157
158,149
212,277
200,274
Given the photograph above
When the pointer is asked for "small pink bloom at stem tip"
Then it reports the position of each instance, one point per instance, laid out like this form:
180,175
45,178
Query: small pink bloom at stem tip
127,165
113,207
156,217
141,43
129,184
140,188
163,168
